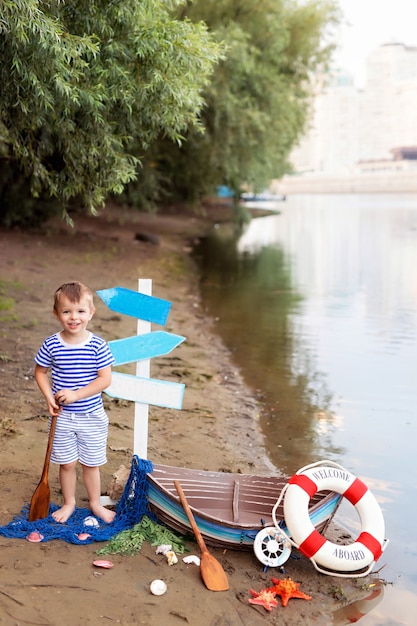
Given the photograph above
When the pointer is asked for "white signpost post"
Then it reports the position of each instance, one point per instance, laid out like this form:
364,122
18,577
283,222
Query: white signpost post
143,369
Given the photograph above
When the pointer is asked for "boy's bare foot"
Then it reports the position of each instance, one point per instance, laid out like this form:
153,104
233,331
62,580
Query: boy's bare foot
105,514
62,514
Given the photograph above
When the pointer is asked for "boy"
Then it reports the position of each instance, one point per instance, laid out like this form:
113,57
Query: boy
80,363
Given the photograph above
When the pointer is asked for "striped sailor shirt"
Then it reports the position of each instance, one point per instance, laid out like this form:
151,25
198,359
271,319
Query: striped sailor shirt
74,366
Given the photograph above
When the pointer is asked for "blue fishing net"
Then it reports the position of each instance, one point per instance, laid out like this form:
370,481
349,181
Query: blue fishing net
130,509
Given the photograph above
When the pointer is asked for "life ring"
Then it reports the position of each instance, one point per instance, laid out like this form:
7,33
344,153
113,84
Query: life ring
368,546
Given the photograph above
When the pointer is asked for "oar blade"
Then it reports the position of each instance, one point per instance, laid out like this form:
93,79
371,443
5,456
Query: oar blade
39,505
212,573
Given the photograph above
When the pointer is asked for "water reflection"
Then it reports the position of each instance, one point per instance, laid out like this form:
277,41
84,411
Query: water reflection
319,307
256,305
353,610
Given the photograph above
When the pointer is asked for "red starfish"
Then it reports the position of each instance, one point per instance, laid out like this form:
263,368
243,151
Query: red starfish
266,598
287,589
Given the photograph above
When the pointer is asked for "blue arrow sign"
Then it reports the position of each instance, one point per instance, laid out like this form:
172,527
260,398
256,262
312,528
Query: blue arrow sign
136,304
144,346
146,390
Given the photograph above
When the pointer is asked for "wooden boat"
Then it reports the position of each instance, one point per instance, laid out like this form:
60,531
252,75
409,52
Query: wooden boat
230,509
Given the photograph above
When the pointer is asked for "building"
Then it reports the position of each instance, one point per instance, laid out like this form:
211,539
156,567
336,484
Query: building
351,128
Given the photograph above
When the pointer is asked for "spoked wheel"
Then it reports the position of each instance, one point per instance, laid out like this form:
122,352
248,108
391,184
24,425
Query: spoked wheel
271,547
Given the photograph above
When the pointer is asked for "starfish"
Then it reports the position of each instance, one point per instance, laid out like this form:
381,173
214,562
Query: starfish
266,598
287,589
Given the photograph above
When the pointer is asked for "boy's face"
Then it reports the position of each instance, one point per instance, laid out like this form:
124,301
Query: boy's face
74,316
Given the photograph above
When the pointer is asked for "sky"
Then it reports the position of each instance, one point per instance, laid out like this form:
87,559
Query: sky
372,23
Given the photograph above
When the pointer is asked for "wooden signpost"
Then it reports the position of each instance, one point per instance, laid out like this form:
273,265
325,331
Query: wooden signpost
141,389
145,346
139,304
146,391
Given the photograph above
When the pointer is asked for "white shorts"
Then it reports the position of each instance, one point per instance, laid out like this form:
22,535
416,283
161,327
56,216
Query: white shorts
81,437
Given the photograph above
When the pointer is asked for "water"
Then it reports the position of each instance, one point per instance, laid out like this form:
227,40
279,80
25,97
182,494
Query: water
319,307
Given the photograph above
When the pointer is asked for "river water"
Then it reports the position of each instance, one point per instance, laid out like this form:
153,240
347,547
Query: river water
318,305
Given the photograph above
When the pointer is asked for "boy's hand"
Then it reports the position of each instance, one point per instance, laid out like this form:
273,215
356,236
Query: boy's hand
53,408
66,396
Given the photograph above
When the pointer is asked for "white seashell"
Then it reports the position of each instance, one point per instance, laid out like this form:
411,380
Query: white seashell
192,558
91,521
158,587
163,549
171,557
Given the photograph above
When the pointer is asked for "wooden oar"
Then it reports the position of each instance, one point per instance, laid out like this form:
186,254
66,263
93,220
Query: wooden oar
39,505
212,572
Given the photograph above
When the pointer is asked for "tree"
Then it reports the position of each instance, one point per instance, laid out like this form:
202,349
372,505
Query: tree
80,82
258,99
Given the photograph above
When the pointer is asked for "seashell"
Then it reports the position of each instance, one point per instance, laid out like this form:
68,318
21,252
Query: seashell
34,537
192,558
91,521
83,536
163,549
171,557
105,564
158,587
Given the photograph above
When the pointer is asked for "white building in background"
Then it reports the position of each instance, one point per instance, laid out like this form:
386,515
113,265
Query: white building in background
355,130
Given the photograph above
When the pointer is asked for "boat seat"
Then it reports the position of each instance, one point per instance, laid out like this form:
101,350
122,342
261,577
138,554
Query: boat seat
235,504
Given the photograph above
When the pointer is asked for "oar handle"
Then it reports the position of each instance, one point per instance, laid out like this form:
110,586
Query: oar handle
49,447
190,516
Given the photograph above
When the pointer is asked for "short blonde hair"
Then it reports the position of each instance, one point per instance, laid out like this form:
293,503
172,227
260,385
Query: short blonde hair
74,292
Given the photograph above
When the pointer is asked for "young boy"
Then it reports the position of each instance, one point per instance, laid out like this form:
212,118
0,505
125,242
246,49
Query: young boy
80,365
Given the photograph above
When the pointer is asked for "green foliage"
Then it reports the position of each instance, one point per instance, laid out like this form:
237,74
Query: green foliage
7,302
98,98
18,206
129,542
258,99
86,87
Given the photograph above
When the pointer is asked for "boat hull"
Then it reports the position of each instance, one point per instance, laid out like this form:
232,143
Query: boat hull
230,509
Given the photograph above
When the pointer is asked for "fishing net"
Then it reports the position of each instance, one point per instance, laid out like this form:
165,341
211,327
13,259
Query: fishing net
132,506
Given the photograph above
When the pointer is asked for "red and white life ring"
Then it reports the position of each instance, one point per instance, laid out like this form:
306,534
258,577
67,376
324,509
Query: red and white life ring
368,546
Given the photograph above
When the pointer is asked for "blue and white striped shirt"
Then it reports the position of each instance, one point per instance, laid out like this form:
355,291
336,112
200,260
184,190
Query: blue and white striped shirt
74,366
